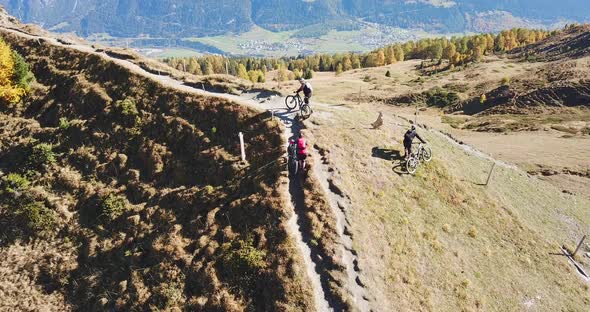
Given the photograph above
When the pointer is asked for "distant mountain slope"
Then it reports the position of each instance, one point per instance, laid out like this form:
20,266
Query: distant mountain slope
574,42
129,18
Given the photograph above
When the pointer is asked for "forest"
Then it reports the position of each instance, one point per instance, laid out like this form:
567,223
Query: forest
456,50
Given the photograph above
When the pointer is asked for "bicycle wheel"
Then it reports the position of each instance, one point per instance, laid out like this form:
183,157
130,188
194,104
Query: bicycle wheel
411,165
305,111
292,165
426,154
291,102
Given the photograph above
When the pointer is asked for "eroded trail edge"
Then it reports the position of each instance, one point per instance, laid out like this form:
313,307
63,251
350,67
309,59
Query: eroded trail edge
341,205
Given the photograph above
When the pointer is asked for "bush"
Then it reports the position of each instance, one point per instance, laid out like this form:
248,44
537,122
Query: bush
505,81
22,72
10,91
440,98
112,207
388,74
39,219
15,182
242,262
64,124
127,107
42,154
482,99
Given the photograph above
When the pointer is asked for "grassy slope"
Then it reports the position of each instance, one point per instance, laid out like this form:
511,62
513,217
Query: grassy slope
437,241
186,196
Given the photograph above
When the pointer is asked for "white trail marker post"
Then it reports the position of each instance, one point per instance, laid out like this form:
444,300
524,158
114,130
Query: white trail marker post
241,135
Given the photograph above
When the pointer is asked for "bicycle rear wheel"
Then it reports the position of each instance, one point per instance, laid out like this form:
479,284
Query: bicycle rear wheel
426,154
305,111
291,102
411,165
292,166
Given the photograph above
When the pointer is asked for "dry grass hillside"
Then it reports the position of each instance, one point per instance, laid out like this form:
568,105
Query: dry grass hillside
535,114
441,240
122,193
123,190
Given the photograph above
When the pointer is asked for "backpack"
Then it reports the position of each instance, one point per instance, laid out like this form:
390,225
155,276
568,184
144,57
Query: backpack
301,144
409,136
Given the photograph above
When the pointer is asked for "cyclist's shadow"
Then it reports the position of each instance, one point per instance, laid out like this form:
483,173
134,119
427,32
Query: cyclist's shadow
288,116
392,155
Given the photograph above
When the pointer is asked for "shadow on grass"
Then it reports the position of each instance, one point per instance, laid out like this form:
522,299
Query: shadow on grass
387,154
391,155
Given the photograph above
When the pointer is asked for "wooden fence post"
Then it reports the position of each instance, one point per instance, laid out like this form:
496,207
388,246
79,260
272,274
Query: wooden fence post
579,245
490,175
241,135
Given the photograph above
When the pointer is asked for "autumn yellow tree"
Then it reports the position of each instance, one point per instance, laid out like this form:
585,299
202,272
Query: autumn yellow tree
9,91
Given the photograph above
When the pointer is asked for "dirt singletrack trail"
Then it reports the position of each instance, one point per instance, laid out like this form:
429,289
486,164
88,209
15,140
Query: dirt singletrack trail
340,205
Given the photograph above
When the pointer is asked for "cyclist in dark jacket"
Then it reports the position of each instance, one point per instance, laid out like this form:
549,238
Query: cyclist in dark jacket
307,90
409,138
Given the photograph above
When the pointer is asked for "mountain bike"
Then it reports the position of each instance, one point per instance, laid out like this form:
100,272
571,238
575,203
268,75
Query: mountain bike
293,161
422,154
292,101
296,165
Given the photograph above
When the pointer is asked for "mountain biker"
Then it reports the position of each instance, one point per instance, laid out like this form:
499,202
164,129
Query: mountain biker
301,149
307,90
409,138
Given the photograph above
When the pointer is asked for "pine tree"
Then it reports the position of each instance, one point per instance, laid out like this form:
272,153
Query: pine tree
338,69
399,53
346,63
356,62
380,58
208,68
449,51
243,72
9,91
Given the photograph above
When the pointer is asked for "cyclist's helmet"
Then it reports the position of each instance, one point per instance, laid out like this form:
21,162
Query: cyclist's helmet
413,127
301,80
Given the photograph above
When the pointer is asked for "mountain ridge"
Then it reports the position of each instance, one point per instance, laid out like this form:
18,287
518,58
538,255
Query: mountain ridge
182,18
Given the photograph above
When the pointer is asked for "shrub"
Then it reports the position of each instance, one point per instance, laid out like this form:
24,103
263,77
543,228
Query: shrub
10,90
41,154
388,74
127,107
23,76
15,182
242,262
209,189
472,232
505,81
441,98
39,219
112,207
482,99
64,124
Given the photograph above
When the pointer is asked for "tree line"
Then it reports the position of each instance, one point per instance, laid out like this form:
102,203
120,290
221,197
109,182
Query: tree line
457,50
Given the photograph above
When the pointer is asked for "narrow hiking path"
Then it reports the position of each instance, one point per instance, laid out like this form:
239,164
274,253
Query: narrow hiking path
339,202
294,224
